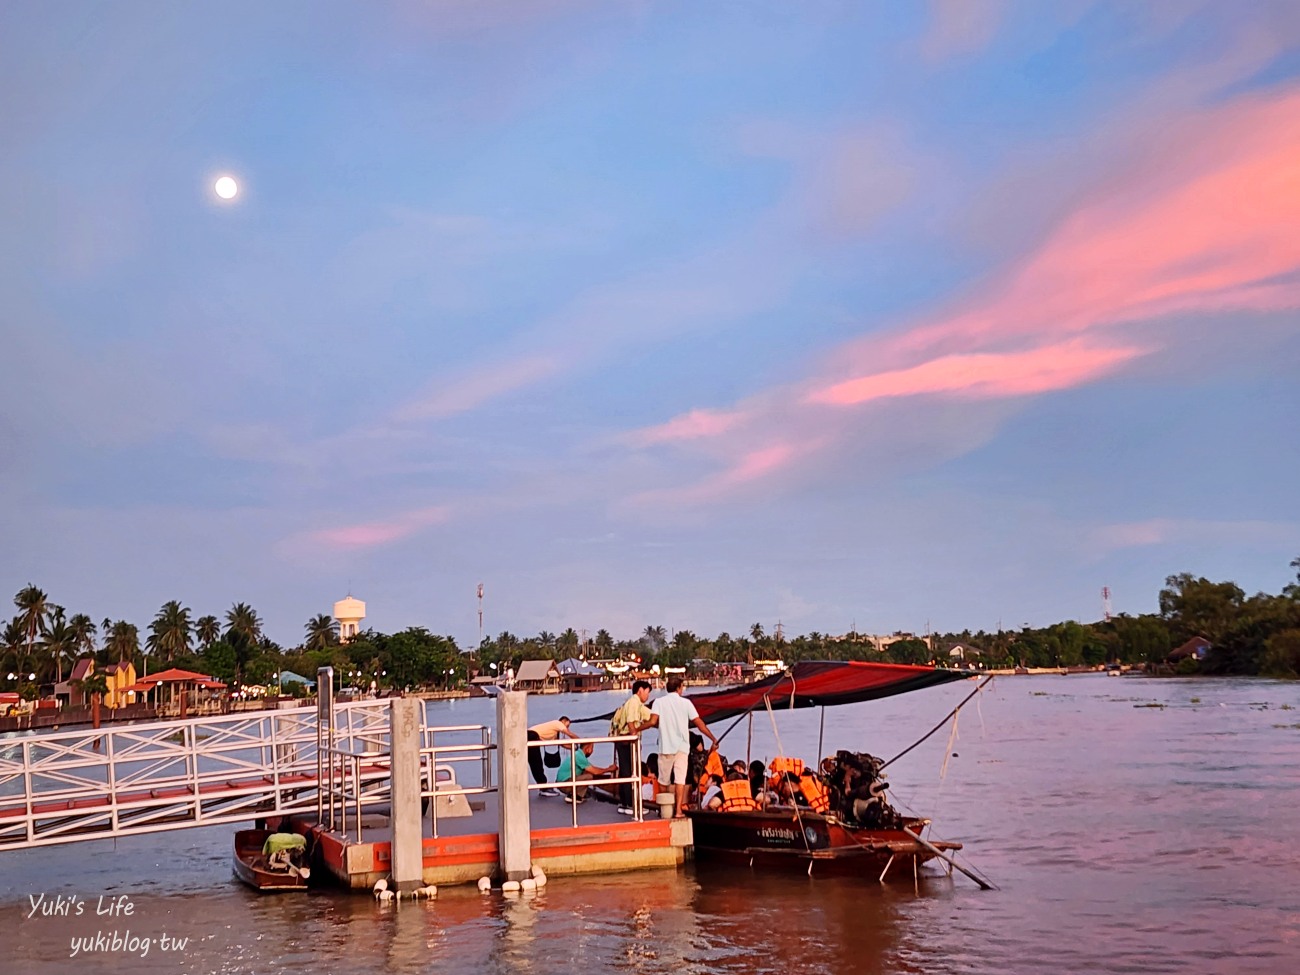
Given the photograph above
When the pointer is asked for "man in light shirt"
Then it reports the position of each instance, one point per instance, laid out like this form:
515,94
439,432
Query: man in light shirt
676,715
631,719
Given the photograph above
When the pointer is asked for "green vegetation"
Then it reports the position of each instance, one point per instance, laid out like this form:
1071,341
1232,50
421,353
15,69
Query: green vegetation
1257,634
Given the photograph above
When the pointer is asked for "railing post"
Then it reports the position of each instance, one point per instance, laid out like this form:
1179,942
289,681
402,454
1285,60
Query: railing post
514,836
404,793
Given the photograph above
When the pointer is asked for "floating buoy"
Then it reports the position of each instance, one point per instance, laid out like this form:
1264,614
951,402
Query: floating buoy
528,884
429,892
539,876
484,884
384,896
511,886
380,884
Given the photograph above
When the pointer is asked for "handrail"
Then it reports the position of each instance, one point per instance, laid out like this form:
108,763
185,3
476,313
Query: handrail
573,785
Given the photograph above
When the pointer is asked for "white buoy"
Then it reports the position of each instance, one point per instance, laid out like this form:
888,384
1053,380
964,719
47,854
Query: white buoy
539,876
380,884
429,891
511,886
385,896
528,884
484,884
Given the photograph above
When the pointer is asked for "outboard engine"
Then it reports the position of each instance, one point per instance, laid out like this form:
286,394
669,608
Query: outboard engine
858,791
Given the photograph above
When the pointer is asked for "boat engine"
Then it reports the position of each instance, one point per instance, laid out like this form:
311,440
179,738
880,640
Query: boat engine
858,790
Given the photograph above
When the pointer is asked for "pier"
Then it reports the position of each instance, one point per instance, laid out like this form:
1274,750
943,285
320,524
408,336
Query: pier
379,791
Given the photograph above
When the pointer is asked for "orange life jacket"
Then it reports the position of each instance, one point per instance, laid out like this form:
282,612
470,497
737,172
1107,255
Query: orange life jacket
736,796
780,765
815,791
713,764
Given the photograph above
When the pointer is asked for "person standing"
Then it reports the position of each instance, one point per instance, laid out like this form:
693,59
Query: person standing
546,731
676,715
631,719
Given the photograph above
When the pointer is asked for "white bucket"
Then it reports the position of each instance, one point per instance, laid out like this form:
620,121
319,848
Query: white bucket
665,800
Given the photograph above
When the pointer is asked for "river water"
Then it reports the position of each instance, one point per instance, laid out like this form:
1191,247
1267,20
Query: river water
1130,824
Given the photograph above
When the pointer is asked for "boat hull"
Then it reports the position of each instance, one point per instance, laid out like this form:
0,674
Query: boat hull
779,839
250,865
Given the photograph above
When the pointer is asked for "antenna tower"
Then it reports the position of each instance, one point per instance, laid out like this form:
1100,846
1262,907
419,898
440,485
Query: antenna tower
1105,602
480,616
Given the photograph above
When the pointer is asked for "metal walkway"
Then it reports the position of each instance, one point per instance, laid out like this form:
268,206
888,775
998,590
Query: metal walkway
165,775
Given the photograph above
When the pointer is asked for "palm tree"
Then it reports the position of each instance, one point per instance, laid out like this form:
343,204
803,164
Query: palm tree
242,621
123,641
33,608
604,641
208,630
83,630
169,633
568,639
322,632
59,639
243,631
756,632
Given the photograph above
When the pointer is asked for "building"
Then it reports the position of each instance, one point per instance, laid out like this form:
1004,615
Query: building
349,612
119,677
538,676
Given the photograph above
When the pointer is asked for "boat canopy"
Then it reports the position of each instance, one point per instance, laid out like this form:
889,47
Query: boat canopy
822,683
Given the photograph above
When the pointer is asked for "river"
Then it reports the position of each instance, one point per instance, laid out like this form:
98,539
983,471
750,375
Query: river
1131,825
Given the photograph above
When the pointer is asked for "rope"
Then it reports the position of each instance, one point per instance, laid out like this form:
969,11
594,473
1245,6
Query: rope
984,683
780,749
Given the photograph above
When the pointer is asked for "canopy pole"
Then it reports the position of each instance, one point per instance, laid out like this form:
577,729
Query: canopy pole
821,733
749,741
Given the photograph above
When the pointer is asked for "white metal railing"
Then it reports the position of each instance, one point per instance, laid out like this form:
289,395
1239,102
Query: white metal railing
88,784
572,786
435,760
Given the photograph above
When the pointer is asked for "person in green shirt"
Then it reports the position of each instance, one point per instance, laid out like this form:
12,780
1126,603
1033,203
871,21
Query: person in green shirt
585,770
631,719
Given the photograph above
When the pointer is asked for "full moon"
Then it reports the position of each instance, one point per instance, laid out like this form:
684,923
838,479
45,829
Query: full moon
226,187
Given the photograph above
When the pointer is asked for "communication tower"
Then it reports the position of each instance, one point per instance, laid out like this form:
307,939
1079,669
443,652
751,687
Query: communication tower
1105,603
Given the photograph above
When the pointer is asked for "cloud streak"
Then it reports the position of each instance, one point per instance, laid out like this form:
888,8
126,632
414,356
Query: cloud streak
1204,221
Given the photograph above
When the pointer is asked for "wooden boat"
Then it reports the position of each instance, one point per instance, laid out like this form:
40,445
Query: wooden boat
779,838
270,866
853,830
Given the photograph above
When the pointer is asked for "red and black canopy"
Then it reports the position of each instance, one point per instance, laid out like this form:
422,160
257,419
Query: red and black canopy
822,683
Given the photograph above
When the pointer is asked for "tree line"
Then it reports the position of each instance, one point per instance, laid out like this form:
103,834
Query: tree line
1257,634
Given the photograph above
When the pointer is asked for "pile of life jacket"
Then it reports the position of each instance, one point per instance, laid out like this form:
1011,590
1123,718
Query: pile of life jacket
858,790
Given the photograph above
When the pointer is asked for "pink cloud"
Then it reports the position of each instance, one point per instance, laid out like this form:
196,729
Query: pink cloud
1203,223
481,385
984,375
375,533
751,466
688,426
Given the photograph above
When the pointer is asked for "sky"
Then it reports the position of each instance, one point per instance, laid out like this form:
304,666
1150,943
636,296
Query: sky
839,315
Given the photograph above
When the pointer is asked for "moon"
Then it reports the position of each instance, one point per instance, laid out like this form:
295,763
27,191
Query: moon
226,187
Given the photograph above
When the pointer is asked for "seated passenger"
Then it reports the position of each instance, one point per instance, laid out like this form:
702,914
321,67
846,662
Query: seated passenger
712,798
736,795
757,778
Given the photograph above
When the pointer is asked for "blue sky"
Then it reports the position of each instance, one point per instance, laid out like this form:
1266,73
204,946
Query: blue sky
691,315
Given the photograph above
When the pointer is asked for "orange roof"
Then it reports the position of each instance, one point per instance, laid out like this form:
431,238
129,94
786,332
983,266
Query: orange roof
174,675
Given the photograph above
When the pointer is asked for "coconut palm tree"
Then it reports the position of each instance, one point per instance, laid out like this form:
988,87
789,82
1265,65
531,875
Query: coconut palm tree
322,632
60,640
243,631
169,633
33,609
123,642
242,620
83,631
208,630
756,632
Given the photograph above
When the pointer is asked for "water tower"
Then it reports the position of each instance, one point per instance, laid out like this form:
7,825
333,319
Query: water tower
349,611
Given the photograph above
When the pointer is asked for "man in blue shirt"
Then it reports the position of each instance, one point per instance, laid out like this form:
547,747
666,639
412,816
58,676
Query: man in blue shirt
586,771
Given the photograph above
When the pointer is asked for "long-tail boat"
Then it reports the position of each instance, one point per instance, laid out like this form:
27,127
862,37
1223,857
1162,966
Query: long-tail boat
835,819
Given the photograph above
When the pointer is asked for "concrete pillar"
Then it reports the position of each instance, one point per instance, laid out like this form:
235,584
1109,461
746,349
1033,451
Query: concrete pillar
408,833
514,835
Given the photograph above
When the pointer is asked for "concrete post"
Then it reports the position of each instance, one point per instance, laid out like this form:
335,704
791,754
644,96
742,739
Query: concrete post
408,833
514,835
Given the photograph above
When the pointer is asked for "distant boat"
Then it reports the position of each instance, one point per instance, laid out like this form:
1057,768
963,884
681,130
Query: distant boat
268,861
